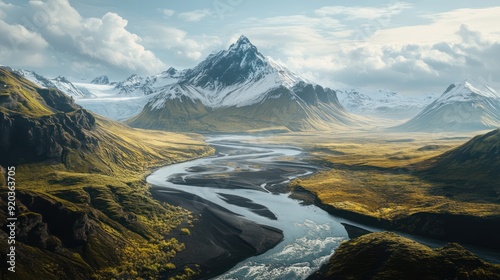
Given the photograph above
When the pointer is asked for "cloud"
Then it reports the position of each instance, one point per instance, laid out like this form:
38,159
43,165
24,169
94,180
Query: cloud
108,40
424,51
195,15
180,44
21,46
416,59
167,12
60,31
410,66
353,12
442,27
4,8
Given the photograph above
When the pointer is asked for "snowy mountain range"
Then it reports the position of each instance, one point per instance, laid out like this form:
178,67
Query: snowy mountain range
465,106
240,89
235,90
383,103
136,85
60,83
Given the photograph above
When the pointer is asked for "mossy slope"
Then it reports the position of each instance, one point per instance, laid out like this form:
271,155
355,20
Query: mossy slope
385,255
420,183
84,210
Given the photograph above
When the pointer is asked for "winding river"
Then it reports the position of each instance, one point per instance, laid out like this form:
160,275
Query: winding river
247,178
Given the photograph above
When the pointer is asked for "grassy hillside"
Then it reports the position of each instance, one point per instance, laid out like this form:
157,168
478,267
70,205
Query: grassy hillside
16,95
84,209
386,255
381,179
477,160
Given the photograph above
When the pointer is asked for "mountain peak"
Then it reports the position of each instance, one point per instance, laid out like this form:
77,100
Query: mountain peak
244,44
465,106
243,40
469,87
61,79
171,71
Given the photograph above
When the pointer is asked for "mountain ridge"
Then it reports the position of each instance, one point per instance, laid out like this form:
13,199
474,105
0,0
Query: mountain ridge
462,107
61,83
240,89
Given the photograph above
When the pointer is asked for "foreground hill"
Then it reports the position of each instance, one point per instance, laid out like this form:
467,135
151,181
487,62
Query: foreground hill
237,90
467,106
477,160
385,255
83,208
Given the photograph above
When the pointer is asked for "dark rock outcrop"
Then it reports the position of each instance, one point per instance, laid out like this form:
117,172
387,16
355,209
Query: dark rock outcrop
453,227
33,231
58,100
25,139
70,226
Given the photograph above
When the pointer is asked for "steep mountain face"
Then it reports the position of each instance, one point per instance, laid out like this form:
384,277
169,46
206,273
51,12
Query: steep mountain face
101,80
239,89
383,103
467,106
60,83
39,124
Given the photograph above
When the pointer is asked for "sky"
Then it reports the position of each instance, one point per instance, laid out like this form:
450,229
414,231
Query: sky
412,48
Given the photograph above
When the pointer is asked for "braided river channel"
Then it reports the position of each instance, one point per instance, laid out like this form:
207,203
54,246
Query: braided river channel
247,177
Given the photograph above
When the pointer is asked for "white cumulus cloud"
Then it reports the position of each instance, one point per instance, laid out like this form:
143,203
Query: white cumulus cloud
21,46
72,38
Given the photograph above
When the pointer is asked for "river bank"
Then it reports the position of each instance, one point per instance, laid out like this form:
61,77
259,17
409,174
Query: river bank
477,235
247,181
239,184
218,238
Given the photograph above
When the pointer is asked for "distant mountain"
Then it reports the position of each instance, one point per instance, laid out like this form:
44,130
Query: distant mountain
466,106
235,90
60,83
136,85
101,80
383,103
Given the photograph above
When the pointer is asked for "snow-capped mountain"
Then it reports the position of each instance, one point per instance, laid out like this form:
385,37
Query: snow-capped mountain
383,103
466,106
101,80
123,100
136,85
234,90
60,83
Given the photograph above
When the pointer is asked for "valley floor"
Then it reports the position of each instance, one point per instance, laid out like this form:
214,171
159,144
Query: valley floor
377,178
